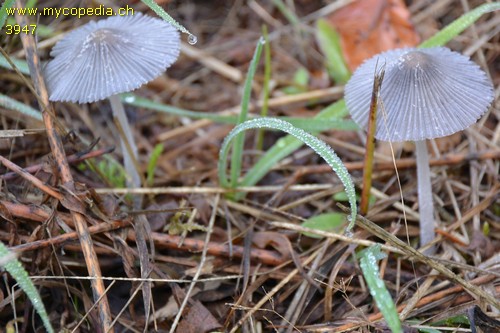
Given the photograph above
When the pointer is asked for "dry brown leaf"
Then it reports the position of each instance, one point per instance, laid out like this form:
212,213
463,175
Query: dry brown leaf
198,320
279,241
481,243
368,27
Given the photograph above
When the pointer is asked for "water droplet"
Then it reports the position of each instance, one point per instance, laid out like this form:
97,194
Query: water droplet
129,99
192,39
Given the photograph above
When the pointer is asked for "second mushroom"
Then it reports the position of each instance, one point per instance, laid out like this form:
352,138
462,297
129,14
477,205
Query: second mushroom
426,94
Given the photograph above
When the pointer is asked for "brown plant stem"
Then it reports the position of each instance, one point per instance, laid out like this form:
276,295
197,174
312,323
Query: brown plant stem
370,142
65,174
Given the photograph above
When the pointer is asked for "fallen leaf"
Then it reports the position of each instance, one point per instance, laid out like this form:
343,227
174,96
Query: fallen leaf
481,243
197,320
368,27
279,241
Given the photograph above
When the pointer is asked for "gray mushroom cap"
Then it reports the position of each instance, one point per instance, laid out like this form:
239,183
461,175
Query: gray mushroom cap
111,56
425,94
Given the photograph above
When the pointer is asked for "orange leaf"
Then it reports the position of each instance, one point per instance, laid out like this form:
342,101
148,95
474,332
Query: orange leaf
368,27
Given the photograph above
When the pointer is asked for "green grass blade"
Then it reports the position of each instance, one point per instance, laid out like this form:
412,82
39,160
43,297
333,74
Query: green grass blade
3,11
329,43
153,161
290,16
20,64
320,125
307,124
11,104
330,222
368,259
134,100
321,148
164,15
237,155
456,27
17,271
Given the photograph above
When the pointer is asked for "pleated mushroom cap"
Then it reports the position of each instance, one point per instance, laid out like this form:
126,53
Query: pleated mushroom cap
111,56
426,93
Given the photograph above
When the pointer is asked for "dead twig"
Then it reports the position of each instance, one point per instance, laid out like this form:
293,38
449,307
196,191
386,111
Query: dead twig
72,159
32,179
57,149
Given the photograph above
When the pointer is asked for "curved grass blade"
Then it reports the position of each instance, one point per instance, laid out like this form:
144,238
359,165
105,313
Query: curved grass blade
285,146
368,259
14,267
321,148
456,27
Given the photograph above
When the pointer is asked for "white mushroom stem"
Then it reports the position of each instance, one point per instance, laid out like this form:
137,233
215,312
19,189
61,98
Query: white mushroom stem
128,159
425,205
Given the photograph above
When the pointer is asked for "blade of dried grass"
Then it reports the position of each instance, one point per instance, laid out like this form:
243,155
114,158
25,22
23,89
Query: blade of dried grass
416,255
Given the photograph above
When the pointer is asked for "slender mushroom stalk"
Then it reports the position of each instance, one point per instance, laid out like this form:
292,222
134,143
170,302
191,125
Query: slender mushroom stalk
426,94
104,58
128,159
425,202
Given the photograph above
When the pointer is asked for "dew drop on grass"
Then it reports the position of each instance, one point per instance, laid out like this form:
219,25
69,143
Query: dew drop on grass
129,99
192,39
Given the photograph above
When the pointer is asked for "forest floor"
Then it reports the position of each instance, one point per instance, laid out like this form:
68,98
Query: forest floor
247,265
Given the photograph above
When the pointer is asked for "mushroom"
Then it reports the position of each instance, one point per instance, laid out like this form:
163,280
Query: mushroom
104,58
426,94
